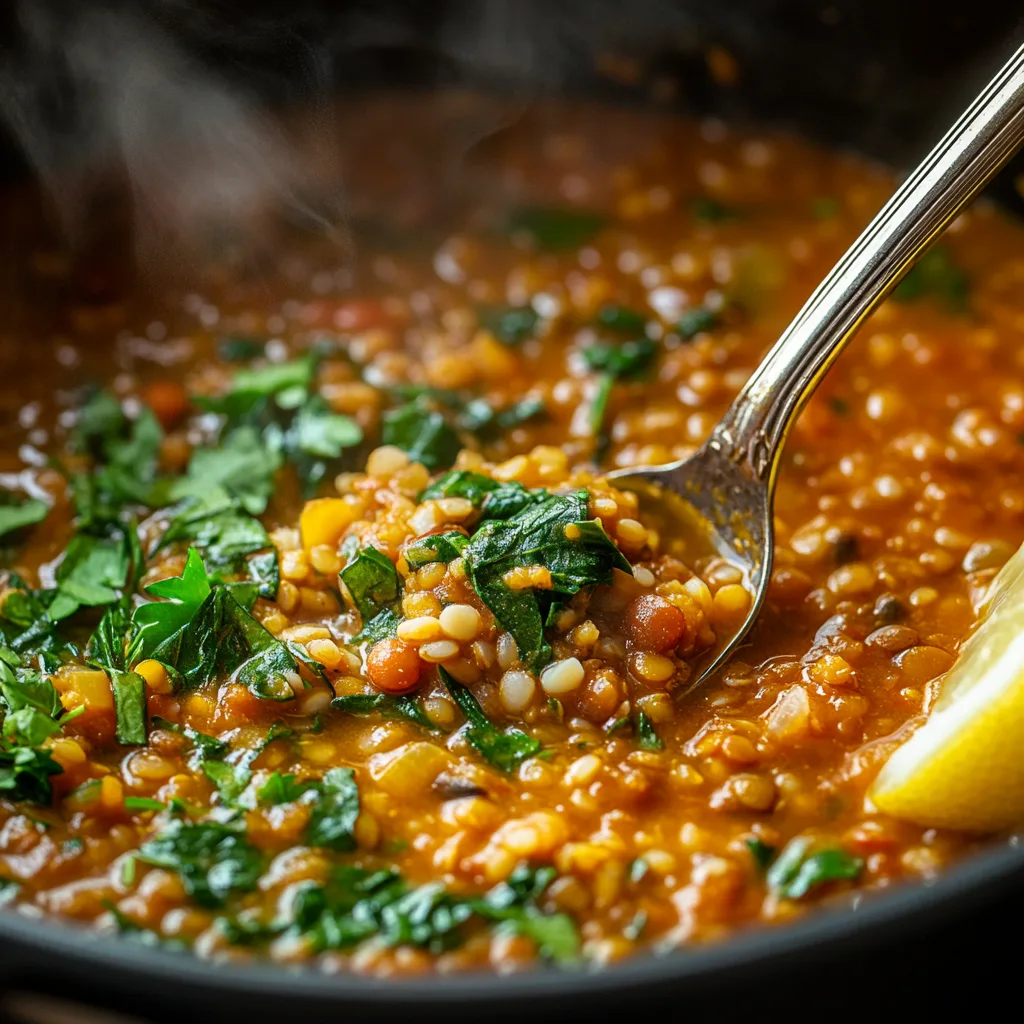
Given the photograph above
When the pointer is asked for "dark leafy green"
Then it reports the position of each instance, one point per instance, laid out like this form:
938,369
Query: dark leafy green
206,746
157,621
504,749
93,572
622,319
628,360
282,789
385,704
25,772
423,433
18,512
762,852
107,650
372,581
696,321
438,547
799,868
556,533
556,229
646,737
333,819
511,325
213,860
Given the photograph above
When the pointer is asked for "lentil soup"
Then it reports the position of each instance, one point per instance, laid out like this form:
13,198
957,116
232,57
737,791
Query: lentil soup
325,639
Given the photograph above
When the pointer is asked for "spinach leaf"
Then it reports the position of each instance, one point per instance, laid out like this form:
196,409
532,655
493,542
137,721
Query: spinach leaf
29,727
239,349
387,705
553,532
505,750
107,650
620,318
241,465
232,778
798,870
511,325
463,483
25,772
556,229
647,738
935,274
630,359
335,811
372,581
423,433
696,321
222,639
481,418
213,860
438,547
321,433
382,626
18,512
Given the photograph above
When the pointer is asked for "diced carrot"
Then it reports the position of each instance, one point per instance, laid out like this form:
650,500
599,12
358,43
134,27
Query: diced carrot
168,400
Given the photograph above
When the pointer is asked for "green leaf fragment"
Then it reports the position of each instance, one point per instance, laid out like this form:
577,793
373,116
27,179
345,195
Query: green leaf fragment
798,869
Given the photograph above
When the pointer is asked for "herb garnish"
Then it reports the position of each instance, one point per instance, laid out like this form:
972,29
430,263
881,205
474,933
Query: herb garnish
505,750
556,229
387,705
798,870
555,533
511,325
423,433
18,512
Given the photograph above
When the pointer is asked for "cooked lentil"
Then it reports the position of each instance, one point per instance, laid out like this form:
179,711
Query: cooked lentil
392,720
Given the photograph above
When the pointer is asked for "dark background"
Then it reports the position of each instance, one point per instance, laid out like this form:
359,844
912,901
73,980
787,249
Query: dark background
881,77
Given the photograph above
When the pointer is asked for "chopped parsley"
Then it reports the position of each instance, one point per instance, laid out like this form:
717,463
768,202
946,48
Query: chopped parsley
17,512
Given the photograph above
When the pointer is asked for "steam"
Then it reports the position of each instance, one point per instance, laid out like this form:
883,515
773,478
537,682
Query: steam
93,86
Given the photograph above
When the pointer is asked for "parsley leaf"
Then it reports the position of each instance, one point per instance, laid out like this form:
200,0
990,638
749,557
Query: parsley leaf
25,772
647,738
213,860
762,852
282,789
553,532
241,465
505,750
696,321
18,512
93,571
798,870
157,621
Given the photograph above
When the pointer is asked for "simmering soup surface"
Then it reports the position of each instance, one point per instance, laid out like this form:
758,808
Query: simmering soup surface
325,639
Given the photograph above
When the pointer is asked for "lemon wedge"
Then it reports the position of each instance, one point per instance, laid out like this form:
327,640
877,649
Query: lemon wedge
964,768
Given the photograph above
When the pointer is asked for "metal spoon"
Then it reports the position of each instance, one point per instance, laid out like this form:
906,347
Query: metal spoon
726,488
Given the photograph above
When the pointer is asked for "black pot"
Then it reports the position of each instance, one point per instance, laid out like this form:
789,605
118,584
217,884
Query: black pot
881,77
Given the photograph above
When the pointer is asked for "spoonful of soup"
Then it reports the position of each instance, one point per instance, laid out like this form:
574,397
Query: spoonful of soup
721,497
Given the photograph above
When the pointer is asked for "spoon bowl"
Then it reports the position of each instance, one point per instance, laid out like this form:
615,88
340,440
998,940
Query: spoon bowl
719,500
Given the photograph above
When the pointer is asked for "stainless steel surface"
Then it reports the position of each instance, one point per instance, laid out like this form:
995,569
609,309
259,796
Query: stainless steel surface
730,480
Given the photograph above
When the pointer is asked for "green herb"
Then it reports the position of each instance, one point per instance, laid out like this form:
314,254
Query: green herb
232,779
711,211
93,572
696,321
619,318
630,359
479,417
647,738
106,649
556,229
223,639
935,274
496,500
183,596
332,823
357,904
239,350
438,547
387,705
839,406
382,626
511,325
824,207
423,433
18,512
213,860
372,581
132,931
762,853
143,803
225,535
798,870
240,465
504,749
25,772
553,532
282,789
625,722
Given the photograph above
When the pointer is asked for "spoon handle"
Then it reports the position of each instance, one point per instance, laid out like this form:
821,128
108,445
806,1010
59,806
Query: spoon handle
754,428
